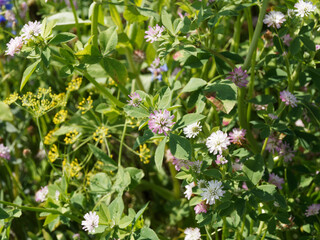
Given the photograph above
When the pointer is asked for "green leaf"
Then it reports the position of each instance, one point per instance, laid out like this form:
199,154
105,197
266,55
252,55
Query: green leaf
254,169
50,218
194,84
180,147
28,72
158,158
62,37
138,215
108,39
308,43
47,27
109,164
215,173
116,70
294,46
166,21
3,214
131,14
100,182
137,112
5,112
147,234
187,120
165,99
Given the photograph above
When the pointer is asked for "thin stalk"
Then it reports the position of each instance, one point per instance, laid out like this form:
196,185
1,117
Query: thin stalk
133,69
76,19
208,233
224,228
261,225
175,182
102,89
121,143
264,146
37,209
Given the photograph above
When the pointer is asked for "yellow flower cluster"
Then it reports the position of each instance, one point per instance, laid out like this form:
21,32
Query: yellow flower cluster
144,154
100,134
85,105
39,103
12,98
53,153
74,84
71,137
50,138
71,169
60,116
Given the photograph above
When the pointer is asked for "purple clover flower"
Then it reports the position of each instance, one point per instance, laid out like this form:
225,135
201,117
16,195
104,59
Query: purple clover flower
156,69
221,160
313,210
288,98
201,208
4,152
153,33
276,180
135,99
161,121
286,151
237,136
239,77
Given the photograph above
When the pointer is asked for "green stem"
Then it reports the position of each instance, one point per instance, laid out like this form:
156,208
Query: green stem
236,35
94,24
264,146
208,233
37,209
102,89
224,229
76,19
175,182
133,69
261,225
121,143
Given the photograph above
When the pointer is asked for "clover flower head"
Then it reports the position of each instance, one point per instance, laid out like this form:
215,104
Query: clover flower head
276,180
212,192
317,47
303,8
31,30
91,222
272,116
4,152
286,151
221,160
273,144
153,33
41,194
217,142
160,121
201,208
14,46
237,136
286,39
135,99
288,98
239,77
192,234
192,130
188,192
274,19
313,210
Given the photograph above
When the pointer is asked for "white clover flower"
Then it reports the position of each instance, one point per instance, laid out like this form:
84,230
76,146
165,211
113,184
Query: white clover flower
192,234
217,142
91,222
30,30
212,192
274,19
188,192
304,8
14,46
41,194
313,210
192,130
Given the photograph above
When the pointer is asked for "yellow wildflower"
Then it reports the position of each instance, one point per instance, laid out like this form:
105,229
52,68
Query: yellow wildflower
74,84
11,99
53,153
100,134
85,105
71,137
49,138
72,169
60,116
144,154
